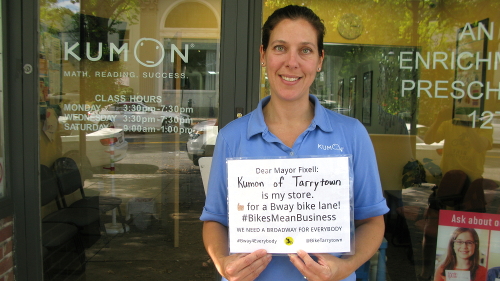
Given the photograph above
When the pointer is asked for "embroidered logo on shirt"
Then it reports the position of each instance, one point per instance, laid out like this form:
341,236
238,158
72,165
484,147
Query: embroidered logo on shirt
330,147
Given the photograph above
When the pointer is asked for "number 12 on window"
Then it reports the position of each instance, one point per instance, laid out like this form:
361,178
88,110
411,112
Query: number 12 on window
486,118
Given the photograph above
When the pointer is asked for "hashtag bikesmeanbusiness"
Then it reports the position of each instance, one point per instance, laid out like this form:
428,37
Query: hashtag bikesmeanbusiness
288,218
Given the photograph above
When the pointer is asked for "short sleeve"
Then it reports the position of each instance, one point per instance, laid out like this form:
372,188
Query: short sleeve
216,201
368,197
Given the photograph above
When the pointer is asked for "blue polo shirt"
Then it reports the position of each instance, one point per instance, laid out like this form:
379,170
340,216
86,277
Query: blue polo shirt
329,133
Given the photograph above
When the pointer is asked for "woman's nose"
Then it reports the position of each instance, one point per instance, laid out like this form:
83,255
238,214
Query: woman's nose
292,61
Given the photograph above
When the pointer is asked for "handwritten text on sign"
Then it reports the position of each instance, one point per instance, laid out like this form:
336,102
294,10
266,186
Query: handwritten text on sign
283,205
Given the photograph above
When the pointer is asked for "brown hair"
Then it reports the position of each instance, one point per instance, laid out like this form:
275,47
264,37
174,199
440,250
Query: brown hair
293,12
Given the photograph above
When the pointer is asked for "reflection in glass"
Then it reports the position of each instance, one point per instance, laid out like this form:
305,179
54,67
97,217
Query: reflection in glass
391,112
124,87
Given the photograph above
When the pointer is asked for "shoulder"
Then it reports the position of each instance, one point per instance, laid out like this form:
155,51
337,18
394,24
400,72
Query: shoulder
439,271
482,269
481,273
438,275
237,127
340,117
235,133
237,124
329,120
338,121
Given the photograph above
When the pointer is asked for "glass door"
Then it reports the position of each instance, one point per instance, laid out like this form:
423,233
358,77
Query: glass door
129,91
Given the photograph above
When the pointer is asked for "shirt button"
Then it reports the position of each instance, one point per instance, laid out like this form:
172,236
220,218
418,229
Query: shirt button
291,153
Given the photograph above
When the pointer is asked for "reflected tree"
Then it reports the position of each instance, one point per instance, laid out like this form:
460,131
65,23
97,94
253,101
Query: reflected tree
424,25
94,22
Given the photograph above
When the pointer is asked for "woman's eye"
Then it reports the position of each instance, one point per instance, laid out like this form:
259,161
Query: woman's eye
279,48
306,51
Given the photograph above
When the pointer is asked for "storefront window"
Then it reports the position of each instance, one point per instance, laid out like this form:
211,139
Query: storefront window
422,77
129,92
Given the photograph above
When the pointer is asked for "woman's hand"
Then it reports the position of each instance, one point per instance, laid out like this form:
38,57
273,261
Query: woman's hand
239,267
327,267
369,234
234,267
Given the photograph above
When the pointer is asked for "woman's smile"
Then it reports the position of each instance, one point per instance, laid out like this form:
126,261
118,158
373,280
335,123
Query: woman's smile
289,78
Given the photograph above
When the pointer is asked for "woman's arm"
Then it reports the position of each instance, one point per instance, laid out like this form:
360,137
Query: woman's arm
432,136
368,237
236,266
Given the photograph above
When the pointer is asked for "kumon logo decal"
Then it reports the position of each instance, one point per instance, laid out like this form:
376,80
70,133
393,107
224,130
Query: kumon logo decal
69,51
333,146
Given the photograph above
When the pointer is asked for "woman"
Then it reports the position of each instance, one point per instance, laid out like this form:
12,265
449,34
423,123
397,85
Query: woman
463,255
292,123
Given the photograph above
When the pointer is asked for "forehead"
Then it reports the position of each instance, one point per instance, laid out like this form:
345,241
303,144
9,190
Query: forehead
299,29
465,236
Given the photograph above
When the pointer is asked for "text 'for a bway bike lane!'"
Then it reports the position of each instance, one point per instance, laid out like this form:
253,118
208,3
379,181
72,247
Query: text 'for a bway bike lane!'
283,205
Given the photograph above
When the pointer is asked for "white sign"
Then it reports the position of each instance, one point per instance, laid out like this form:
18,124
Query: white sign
457,275
283,205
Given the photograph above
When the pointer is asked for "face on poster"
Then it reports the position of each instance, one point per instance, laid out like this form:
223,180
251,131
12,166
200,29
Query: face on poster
470,236
283,205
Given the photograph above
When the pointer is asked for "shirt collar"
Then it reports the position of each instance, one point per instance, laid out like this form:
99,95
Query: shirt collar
256,123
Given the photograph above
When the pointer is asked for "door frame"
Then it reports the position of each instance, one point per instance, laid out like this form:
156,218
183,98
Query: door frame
240,69
22,135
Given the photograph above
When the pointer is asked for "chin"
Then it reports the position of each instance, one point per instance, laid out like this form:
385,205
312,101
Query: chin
291,96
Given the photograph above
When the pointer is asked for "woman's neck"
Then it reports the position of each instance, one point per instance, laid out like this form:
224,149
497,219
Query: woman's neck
288,112
288,119
463,264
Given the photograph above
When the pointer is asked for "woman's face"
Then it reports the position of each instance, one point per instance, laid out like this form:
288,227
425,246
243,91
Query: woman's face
292,59
464,245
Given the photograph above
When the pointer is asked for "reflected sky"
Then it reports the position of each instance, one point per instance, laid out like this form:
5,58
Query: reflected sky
75,7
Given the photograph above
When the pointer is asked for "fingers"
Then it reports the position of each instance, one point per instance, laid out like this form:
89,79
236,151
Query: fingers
247,266
248,259
323,258
311,269
306,258
252,271
303,262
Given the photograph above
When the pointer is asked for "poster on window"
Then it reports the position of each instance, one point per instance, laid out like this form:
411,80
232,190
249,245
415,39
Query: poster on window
468,246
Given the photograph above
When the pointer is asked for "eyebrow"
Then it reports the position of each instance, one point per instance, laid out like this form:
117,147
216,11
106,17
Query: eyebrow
285,42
